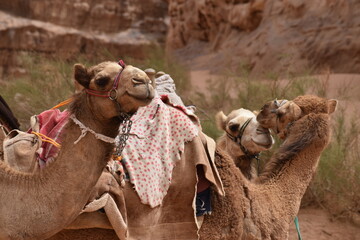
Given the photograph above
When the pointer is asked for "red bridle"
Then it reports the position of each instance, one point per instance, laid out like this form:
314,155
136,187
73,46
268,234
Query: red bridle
112,93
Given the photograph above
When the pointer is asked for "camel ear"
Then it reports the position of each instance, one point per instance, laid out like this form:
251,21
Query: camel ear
81,75
332,103
220,119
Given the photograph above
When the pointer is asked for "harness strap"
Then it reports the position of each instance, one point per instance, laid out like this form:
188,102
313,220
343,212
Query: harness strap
85,129
45,138
237,138
296,220
112,93
63,103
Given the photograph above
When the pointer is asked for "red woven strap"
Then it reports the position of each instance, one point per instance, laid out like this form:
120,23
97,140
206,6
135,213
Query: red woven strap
115,85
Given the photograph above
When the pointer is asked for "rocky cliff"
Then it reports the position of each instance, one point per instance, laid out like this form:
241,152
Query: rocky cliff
267,36
67,28
264,35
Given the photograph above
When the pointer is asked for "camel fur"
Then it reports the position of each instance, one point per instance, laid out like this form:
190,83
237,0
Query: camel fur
264,209
36,206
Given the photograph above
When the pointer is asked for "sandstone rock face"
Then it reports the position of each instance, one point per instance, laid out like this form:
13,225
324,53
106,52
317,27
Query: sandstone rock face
268,36
103,16
67,28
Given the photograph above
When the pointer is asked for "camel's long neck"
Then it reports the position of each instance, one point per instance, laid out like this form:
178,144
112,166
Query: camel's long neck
56,195
290,185
296,172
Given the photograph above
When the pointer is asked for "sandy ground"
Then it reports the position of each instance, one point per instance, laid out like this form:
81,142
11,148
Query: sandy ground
316,224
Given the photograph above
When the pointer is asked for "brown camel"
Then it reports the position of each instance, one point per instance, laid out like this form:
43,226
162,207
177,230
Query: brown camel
264,211
255,139
242,129
36,206
260,211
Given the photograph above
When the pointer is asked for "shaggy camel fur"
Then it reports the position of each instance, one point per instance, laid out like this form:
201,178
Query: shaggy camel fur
254,137
36,206
264,211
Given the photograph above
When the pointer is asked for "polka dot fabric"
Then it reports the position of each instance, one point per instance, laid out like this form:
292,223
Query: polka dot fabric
155,144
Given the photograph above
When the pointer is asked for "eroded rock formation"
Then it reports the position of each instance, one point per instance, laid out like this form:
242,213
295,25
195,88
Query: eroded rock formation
68,28
270,35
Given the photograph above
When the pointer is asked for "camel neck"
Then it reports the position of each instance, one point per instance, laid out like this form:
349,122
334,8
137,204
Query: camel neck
298,168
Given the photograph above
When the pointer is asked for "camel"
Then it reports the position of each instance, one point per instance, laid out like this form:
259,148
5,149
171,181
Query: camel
264,208
255,139
37,206
241,129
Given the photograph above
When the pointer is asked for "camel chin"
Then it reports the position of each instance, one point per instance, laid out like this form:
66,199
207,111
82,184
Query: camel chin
264,144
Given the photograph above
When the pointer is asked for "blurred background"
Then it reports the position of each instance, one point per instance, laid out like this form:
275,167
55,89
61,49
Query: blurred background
222,54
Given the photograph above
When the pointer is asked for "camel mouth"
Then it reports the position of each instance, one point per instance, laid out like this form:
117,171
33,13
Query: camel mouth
264,144
145,92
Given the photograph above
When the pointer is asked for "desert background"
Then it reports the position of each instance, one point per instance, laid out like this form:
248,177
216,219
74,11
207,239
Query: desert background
222,54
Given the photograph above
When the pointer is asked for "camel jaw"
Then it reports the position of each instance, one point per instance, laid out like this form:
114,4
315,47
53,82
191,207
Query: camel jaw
264,145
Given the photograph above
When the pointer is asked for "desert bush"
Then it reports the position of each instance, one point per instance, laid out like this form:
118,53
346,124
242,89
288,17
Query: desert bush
336,185
45,83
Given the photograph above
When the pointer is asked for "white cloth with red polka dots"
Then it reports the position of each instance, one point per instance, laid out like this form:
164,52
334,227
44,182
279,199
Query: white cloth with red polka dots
155,144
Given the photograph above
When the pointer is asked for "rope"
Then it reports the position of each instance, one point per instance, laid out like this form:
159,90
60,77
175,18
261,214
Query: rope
85,129
67,101
45,138
296,220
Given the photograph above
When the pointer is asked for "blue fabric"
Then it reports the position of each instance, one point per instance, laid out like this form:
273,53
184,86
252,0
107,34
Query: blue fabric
203,202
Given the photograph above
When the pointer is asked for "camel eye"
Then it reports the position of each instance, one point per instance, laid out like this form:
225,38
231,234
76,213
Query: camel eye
102,82
234,127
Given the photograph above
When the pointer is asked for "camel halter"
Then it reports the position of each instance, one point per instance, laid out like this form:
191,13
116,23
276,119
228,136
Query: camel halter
85,129
112,93
237,139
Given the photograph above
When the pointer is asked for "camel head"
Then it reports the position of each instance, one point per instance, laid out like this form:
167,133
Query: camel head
133,90
244,133
277,115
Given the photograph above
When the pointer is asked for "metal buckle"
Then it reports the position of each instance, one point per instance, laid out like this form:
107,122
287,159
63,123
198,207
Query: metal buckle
111,94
